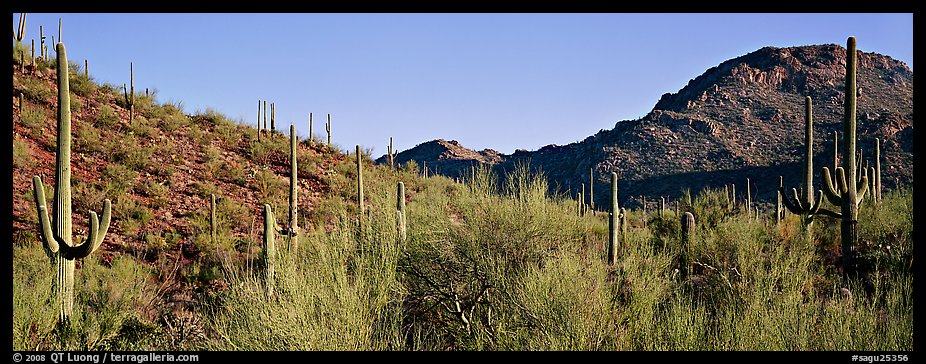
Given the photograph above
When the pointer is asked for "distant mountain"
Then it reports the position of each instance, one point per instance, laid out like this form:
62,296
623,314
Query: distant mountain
741,119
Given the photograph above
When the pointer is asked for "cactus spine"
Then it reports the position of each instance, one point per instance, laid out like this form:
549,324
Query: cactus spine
847,193
615,224
270,250
360,187
59,241
400,211
130,100
293,231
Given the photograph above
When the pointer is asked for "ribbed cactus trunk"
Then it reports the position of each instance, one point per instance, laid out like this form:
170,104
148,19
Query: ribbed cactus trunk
614,222
400,212
58,242
293,192
849,190
360,190
270,251
687,231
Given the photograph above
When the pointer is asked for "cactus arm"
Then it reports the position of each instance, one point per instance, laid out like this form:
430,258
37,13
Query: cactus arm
833,195
48,237
861,192
791,206
829,213
814,208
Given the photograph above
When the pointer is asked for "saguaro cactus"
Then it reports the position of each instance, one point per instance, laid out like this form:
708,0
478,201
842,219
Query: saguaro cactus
582,207
130,98
687,231
293,231
400,211
273,118
212,220
614,222
391,155
877,174
748,195
623,220
847,193
258,120
779,214
591,189
360,187
805,204
328,129
265,117
59,241
270,250
42,49
21,33
311,137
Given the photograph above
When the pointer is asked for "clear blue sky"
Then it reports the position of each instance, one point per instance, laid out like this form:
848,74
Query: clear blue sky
501,81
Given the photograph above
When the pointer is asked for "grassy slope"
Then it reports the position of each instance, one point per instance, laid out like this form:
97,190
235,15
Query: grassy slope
491,264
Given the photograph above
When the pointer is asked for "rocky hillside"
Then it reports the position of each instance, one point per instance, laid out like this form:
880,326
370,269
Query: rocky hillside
741,119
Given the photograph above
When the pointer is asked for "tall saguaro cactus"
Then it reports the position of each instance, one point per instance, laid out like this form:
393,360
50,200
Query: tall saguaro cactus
270,250
130,98
847,193
400,211
805,205
265,116
258,120
293,231
273,118
59,241
614,222
311,138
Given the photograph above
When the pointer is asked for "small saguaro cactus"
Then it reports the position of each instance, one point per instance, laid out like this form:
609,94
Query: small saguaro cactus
270,250
212,220
732,196
643,198
311,138
623,220
389,151
687,231
328,129
847,193
130,98
779,214
265,117
86,69
360,187
748,195
293,230
273,118
662,206
614,222
582,206
20,104
805,205
58,241
877,174
400,211
258,120
591,189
